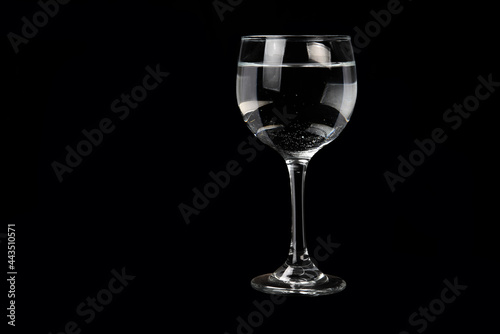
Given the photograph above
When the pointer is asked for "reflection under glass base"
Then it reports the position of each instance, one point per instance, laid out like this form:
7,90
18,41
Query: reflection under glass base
327,285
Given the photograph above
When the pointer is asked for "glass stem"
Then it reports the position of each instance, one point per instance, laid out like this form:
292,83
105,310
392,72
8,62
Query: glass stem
298,255
298,267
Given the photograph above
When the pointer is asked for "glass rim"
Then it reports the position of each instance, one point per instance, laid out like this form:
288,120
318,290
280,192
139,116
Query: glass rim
297,37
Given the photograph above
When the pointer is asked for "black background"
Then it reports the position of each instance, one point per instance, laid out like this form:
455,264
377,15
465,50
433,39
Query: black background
119,207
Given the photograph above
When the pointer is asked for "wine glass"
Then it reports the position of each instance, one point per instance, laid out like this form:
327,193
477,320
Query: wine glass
296,94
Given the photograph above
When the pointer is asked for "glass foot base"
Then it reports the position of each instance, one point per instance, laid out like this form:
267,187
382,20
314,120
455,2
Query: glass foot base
268,283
